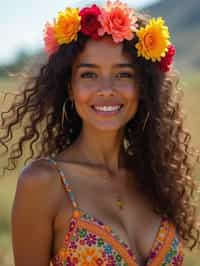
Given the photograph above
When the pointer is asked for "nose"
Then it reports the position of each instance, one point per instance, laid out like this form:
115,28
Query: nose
106,88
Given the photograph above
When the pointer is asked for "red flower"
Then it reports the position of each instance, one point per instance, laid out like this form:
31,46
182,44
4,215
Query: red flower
89,21
166,61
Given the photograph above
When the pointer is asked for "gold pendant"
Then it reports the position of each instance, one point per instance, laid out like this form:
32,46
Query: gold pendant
120,203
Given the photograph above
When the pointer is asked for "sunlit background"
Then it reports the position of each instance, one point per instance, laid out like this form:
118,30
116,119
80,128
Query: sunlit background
22,21
21,44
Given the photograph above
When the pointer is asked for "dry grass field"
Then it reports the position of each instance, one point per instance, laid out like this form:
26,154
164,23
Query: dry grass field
8,184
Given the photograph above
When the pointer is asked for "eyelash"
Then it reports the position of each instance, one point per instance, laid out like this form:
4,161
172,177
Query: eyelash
86,74
126,74
91,74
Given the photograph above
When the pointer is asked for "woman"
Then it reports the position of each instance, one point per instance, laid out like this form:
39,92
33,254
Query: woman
111,184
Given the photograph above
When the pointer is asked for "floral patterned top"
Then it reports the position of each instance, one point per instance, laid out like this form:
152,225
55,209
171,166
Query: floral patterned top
90,242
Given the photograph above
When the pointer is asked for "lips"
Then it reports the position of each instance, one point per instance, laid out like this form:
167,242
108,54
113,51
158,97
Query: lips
106,104
107,110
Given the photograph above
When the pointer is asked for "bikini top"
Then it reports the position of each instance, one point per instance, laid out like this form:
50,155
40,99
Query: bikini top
91,242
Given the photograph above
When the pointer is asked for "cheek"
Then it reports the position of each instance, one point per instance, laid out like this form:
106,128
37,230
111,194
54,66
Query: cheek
83,88
81,97
131,93
82,94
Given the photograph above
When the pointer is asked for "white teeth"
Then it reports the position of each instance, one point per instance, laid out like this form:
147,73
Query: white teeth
107,108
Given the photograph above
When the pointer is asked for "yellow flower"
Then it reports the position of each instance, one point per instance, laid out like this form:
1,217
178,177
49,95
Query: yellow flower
67,25
153,40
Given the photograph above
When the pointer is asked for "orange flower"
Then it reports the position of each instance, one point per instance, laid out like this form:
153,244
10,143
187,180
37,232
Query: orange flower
153,40
118,20
63,253
67,25
51,44
89,256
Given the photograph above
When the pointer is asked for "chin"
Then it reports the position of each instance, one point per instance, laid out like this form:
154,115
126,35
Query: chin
109,126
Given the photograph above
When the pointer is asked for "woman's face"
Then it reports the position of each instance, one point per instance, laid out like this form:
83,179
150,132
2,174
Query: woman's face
103,77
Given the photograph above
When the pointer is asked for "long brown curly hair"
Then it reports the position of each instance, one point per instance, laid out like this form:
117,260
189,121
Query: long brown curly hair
160,154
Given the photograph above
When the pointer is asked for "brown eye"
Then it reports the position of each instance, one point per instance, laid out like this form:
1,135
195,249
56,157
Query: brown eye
124,75
88,75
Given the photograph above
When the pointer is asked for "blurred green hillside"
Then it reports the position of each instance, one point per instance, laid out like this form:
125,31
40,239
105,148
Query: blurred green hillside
183,19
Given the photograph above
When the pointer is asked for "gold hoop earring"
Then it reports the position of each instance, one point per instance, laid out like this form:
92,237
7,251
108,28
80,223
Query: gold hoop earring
145,121
64,113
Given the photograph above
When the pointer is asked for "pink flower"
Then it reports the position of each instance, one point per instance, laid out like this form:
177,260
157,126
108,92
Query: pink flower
90,239
166,61
89,21
51,44
118,20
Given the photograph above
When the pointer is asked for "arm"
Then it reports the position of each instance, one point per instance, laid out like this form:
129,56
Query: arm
32,217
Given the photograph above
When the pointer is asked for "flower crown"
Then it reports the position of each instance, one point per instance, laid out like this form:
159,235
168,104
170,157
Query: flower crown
117,20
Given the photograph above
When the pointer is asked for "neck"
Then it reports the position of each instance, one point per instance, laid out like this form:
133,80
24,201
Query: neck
102,148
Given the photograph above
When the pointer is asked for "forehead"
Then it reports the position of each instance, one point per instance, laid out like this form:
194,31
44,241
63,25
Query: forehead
103,51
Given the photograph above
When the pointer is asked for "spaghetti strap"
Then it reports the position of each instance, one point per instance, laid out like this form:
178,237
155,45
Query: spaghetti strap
64,180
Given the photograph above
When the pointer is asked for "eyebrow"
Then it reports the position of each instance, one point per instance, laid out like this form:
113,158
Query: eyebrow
121,65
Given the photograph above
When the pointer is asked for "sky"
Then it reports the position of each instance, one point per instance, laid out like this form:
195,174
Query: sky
22,23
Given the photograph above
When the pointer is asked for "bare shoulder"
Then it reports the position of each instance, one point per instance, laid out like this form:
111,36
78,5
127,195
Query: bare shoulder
40,179
37,172
37,177
33,211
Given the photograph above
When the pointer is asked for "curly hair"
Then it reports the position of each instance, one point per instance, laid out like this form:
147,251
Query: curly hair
160,154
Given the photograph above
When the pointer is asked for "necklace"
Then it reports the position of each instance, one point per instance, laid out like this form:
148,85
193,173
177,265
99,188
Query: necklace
118,199
120,203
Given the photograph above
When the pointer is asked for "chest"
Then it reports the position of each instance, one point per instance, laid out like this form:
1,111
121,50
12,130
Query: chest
134,224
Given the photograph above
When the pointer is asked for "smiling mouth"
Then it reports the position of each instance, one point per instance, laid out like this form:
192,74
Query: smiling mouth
107,110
